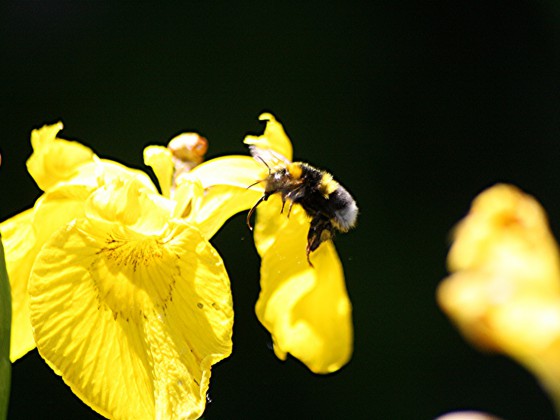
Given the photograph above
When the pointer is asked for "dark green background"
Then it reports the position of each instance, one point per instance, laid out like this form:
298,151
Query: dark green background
414,106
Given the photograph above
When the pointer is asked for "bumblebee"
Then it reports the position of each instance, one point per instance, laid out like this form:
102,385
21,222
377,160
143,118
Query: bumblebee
329,205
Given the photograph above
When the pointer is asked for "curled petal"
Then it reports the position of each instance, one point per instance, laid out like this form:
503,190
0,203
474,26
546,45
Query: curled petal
274,137
307,310
53,159
160,160
132,323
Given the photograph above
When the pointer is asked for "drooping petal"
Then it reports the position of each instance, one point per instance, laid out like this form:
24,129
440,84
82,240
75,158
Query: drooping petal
24,235
19,244
160,160
53,159
133,323
306,309
273,138
269,222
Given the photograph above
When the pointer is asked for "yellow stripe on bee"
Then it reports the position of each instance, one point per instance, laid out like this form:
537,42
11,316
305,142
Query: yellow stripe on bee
328,184
295,170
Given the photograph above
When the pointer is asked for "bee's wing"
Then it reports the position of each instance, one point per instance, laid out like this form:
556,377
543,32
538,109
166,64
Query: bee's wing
269,157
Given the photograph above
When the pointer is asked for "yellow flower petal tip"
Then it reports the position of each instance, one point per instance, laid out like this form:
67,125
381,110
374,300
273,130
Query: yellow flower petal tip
504,289
53,159
160,159
274,137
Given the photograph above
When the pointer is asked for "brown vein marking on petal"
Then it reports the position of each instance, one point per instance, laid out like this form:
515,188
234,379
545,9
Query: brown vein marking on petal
134,278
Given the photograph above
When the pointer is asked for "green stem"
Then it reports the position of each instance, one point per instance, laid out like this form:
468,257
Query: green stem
5,324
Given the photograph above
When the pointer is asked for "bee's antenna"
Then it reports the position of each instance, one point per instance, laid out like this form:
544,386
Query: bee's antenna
264,197
269,171
255,183
265,164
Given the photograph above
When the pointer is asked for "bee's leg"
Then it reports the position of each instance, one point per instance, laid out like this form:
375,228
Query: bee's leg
283,203
290,208
320,230
294,197
308,251
263,198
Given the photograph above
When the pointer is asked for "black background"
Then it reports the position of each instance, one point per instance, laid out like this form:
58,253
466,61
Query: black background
414,106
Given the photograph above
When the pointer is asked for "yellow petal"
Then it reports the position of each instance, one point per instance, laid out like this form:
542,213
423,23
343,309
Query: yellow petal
529,330
104,171
220,203
503,250
132,323
307,310
470,298
160,160
188,197
235,171
128,203
19,245
226,181
269,222
274,137
504,294
23,236
53,159
57,207
507,230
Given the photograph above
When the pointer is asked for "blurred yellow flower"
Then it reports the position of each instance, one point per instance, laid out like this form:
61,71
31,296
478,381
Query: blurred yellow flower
504,290
306,309
128,301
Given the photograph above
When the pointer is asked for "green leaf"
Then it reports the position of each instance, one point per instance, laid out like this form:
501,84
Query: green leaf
5,323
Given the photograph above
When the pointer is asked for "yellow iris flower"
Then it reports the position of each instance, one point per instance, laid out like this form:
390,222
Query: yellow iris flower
504,290
124,297
306,309
118,285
